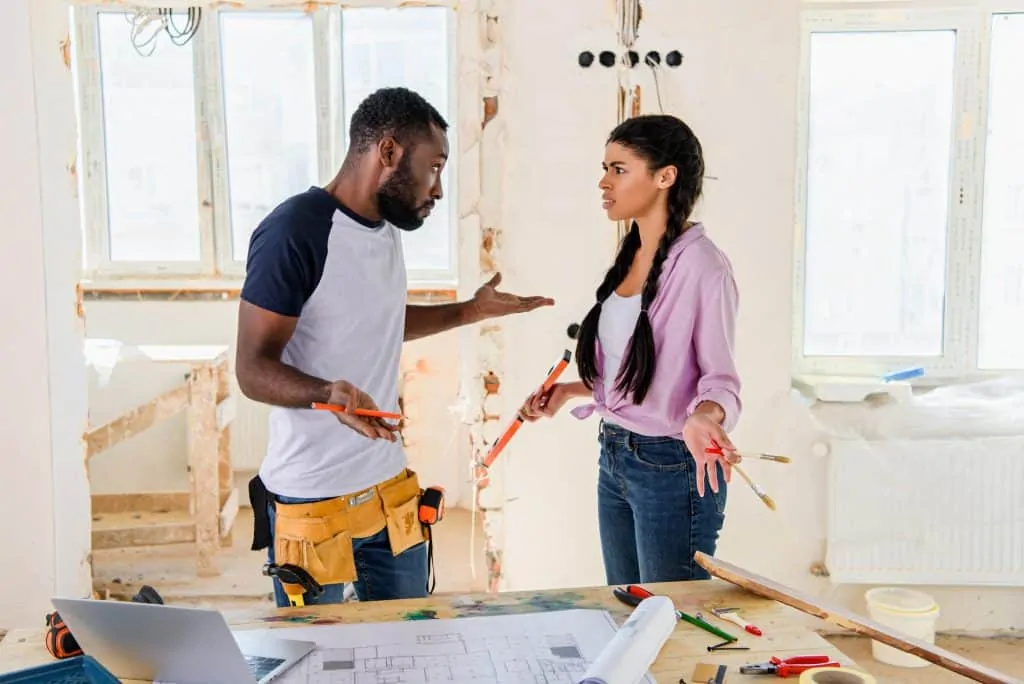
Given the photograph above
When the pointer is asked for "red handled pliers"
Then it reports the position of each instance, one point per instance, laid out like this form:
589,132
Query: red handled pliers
789,666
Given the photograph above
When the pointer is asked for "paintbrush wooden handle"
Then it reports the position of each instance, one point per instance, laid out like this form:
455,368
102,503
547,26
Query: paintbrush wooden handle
756,487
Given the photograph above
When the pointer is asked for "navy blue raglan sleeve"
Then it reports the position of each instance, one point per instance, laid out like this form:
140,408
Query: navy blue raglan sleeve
286,258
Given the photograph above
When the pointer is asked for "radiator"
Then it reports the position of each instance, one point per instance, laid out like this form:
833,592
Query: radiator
926,511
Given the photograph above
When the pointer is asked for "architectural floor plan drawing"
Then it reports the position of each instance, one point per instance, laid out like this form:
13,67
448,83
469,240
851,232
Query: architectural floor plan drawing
537,648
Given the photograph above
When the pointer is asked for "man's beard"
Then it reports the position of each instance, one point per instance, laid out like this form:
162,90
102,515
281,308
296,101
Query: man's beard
396,202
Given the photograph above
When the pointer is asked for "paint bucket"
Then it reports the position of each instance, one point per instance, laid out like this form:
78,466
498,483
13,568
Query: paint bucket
912,613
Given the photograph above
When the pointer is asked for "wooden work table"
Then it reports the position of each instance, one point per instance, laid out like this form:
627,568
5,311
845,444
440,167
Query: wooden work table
785,630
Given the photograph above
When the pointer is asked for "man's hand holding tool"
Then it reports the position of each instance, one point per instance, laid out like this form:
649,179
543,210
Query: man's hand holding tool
355,409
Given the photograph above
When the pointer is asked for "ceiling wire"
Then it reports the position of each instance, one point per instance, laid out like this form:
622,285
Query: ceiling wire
148,23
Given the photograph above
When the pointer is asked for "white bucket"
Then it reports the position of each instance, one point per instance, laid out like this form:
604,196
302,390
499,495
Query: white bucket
912,613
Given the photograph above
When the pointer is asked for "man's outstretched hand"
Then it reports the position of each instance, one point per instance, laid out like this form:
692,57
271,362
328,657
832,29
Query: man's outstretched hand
489,303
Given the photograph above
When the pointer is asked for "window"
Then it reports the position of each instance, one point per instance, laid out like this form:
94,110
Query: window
911,210
188,145
1001,322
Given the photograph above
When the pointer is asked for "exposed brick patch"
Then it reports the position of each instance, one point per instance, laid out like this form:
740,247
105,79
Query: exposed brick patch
490,108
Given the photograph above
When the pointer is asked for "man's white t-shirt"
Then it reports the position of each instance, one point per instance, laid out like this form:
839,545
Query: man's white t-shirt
344,278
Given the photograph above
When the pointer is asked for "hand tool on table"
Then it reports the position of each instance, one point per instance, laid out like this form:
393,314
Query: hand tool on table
632,595
731,614
293,574
790,666
338,408
61,643
553,374
717,449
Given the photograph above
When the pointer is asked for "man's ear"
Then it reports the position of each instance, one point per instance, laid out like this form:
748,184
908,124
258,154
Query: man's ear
389,150
666,177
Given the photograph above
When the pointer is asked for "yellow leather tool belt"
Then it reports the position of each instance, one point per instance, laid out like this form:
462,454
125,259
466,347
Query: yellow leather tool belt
318,536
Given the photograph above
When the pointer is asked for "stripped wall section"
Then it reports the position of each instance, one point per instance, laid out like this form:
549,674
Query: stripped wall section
481,141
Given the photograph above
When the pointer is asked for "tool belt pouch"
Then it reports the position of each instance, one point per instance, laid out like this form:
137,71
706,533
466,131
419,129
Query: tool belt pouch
317,538
401,500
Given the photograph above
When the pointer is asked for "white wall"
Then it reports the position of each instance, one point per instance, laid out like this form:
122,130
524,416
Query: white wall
737,88
43,489
745,117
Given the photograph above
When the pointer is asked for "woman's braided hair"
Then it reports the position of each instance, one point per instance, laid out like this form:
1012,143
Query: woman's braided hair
661,140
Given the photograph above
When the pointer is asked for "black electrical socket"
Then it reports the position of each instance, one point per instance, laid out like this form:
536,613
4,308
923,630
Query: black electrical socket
607,58
653,58
674,58
586,58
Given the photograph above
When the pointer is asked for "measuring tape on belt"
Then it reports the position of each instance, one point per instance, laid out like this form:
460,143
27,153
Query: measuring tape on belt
431,512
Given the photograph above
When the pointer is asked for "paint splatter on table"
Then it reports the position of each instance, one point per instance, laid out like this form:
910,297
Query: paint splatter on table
785,630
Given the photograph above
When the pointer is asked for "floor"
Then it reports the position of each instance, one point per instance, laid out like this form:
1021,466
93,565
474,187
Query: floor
459,568
119,573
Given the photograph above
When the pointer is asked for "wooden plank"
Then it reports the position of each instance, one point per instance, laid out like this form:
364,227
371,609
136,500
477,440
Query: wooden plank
226,411
122,530
203,459
135,421
145,502
225,470
184,353
785,633
228,513
838,615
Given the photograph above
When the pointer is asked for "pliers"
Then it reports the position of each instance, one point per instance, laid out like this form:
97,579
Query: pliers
789,666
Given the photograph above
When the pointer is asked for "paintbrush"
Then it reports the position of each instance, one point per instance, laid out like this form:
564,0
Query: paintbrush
768,501
764,457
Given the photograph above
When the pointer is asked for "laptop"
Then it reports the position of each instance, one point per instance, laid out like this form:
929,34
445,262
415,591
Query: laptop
175,644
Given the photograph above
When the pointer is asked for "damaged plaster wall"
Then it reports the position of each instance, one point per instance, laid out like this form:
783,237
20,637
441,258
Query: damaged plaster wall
43,488
480,196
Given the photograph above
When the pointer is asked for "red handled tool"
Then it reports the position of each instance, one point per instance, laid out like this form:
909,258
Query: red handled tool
790,666
513,427
632,595
730,615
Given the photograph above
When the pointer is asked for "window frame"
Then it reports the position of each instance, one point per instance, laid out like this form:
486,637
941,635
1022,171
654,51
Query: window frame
966,181
216,267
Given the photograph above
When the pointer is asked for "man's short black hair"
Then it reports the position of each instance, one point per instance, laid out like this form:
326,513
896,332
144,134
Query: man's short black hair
398,112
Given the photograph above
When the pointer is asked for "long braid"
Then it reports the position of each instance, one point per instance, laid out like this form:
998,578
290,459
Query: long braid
586,348
662,141
637,372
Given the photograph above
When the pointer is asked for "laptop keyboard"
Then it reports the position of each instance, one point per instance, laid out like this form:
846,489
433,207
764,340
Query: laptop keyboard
261,666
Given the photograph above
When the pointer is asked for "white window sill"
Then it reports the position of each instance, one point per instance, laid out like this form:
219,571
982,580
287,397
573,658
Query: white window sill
849,389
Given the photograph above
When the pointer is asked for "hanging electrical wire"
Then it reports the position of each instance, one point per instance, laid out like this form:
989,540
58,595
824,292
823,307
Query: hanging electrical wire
148,23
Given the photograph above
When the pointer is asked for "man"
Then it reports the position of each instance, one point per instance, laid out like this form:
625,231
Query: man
322,319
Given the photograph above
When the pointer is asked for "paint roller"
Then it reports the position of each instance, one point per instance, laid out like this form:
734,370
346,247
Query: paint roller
553,374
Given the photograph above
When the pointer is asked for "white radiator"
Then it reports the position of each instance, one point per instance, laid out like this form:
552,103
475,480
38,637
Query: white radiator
927,511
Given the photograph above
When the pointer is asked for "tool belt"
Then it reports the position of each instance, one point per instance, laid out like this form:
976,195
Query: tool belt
317,537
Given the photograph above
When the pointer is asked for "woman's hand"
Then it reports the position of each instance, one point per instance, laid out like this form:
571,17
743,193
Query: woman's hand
707,441
547,404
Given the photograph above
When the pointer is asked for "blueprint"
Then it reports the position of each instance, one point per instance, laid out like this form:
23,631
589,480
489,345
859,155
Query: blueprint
535,648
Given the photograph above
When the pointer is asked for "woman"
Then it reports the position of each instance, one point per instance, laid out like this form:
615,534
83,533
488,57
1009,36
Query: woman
655,353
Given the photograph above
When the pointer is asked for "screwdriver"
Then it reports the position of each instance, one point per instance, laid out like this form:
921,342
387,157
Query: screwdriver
632,595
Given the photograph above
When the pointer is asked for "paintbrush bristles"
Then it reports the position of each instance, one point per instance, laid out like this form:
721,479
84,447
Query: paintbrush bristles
768,501
764,457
